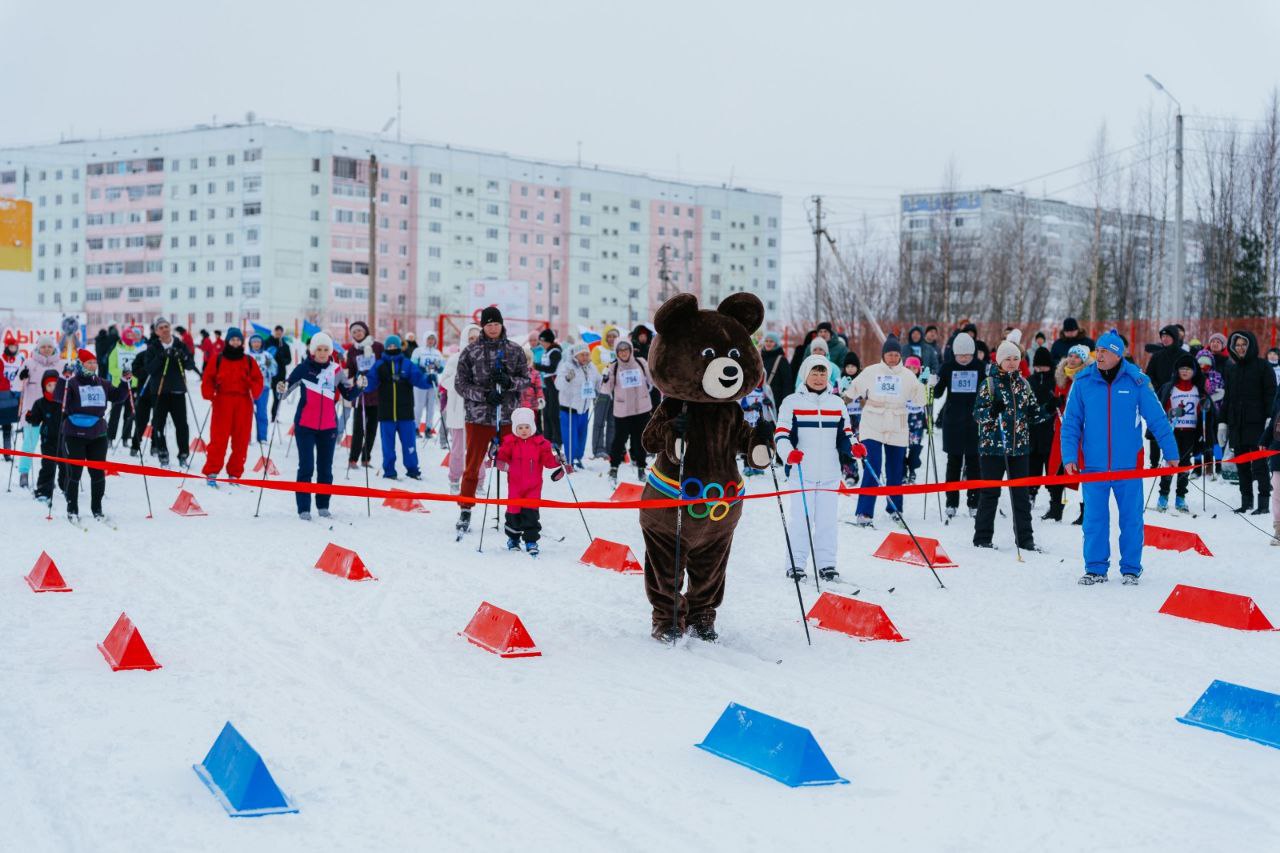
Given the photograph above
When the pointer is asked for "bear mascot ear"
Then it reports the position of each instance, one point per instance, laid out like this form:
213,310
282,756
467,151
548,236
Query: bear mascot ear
746,308
677,312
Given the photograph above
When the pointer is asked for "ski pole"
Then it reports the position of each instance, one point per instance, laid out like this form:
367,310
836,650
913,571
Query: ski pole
492,456
919,547
568,478
266,466
146,489
677,568
804,501
804,619
62,450
9,488
368,502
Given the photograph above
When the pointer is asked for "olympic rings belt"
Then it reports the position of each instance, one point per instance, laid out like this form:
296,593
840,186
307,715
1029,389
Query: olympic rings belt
694,488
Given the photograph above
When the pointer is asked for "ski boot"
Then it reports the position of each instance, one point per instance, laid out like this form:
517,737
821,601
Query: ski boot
796,574
304,516
705,631
23,480
455,488
973,512
1180,504
1079,518
163,458
1089,579
211,482
184,461
74,518
862,521
664,633
414,475
613,475
1262,508
532,549
1130,580
1162,503
513,544
324,513
829,573
641,473
1054,513
464,521
951,512
986,545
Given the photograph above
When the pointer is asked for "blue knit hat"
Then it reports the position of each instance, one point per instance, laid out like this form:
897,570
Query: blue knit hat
1113,342
234,332
392,342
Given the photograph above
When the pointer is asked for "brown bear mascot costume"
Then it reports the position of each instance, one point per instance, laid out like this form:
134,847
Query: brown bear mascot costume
703,362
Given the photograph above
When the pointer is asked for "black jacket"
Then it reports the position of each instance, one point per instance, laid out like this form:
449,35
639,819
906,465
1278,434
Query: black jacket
776,366
958,385
1271,435
47,415
283,357
1160,367
1062,345
166,367
1042,385
1250,393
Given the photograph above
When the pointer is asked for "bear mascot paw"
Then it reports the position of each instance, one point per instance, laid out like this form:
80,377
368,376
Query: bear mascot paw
703,362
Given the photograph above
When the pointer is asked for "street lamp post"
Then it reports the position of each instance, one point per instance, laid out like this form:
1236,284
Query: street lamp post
1178,282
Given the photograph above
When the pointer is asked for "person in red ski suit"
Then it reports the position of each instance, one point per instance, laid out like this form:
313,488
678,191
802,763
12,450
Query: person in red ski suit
523,455
231,382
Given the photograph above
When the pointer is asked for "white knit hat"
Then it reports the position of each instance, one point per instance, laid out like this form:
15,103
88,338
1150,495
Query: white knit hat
522,415
1007,349
963,344
319,339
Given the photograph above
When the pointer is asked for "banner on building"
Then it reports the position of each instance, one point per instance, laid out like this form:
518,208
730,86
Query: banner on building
15,235
67,330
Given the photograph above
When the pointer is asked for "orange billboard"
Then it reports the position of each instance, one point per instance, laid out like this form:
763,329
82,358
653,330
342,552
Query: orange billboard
15,235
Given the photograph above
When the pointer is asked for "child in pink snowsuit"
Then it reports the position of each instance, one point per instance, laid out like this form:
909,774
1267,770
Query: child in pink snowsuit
523,455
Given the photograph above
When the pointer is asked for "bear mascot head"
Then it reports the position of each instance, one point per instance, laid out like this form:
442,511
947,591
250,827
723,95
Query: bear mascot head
707,356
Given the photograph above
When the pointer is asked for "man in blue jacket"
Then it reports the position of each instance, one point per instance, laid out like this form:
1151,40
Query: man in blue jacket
1102,431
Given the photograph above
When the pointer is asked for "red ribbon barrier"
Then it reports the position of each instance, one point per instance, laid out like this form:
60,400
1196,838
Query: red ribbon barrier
656,503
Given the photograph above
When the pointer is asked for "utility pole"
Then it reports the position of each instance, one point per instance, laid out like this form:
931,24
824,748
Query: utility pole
663,275
550,263
817,258
1178,260
373,245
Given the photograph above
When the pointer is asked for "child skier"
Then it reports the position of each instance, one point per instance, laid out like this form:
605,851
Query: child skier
426,401
958,382
1184,397
812,434
40,362
577,382
853,409
83,397
11,362
1215,387
230,383
45,415
1005,410
523,455
315,422
915,426
1043,383
267,367
394,377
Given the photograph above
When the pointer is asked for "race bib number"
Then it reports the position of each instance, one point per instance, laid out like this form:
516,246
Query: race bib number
888,385
92,395
964,381
588,391
11,371
364,362
126,361
630,379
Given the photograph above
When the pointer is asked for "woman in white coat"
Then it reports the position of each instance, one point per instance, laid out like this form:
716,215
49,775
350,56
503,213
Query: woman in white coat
885,389
812,435
455,414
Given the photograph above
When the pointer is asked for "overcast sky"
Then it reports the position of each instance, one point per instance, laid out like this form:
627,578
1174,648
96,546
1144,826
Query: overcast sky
856,100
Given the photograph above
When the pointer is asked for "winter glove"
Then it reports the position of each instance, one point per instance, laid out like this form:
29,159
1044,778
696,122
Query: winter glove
494,397
795,457
542,404
1222,435
503,380
557,475
680,424
281,387
1217,396
859,451
362,381
22,374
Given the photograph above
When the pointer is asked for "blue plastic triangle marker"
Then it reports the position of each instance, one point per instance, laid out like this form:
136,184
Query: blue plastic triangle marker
768,745
236,774
1237,711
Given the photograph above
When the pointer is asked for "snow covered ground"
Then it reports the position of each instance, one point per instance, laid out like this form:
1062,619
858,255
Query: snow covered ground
1025,712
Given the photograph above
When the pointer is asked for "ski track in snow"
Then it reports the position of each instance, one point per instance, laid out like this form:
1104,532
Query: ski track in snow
1025,712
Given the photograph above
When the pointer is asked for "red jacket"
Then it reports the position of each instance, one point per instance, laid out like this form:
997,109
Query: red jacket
231,377
525,458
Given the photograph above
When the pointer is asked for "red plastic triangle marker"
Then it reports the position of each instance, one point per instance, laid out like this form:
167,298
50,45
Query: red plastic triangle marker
344,563
500,632
186,505
614,556
45,577
124,648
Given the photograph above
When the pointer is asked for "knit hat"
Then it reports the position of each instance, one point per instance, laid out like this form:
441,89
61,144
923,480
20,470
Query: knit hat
1219,337
813,362
1184,359
490,315
912,363
547,336
49,375
1008,349
234,332
963,344
392,342
1080,351
46,339
851,357
1015,335
622,342
1205,357
1172,331
775,337
825,326
819,344
1112,342
520,416
160,321
128,336
890,345
86,355
1070,325
319,339
362,324
1042,358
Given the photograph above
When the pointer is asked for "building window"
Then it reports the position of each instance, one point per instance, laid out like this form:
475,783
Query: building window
253,208
252,154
